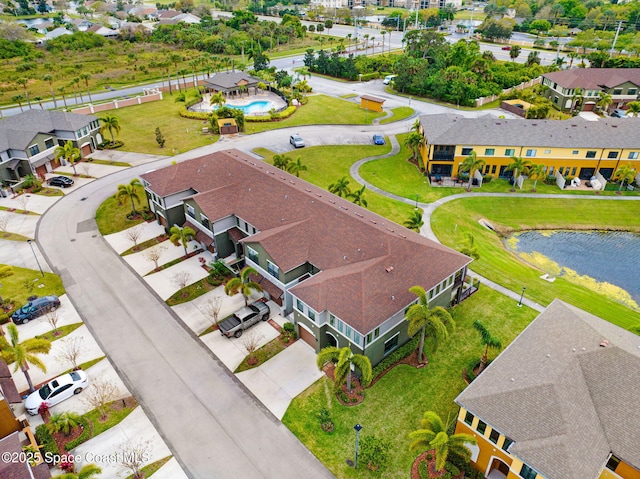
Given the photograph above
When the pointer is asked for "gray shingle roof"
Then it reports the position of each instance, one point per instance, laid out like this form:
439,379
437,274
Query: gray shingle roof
18,131
452,129
594,78
566,401
226,80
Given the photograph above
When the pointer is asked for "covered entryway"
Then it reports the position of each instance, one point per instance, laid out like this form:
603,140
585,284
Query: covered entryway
307,336
498,469
331,340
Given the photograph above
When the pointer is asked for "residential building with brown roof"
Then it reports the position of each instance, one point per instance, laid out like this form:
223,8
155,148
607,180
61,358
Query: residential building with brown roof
560,402
580,88
343,271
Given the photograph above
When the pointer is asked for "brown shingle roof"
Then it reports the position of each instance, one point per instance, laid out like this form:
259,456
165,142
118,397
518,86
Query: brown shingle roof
298,223
566,401
594,78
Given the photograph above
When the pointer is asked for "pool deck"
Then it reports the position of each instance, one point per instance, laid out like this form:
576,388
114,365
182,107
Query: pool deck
263,96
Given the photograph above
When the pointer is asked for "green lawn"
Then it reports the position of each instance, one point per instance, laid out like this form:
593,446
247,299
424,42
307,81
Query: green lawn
399,113
111,216
453,220
17,286
326,164
138,124
393,407
320,110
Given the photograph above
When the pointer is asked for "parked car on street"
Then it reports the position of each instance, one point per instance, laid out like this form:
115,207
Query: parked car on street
61,181
388,79
297,141
617,113
35,308
506,48
57,390
244,319
378,139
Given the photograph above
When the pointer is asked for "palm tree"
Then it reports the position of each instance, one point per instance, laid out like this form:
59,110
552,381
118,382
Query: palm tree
295,167
634,108
281,161
38,100
23,354
18,99
86,77
357,197
469,247
69,153
514,52
434,322
471,164
415,221
519,167
129,192
488,340
49,78
181,236
217,99
24,83
64,98
243,284
604,100
537,171
76,86
340,187
414,141
433,435
624,173
110,123
88,471
343,359
65,422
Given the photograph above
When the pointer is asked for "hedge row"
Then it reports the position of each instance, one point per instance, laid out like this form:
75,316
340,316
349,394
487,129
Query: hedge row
194,115
400,353
46,441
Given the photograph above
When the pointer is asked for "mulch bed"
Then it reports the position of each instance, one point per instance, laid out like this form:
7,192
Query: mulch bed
411,360
431,466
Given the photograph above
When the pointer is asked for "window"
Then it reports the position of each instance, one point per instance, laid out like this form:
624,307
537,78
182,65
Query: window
191,211
489,151
332,319
561,169
613,154
486,169
613,463
633,155
632,91
347,331
34,150
573,171
340,326
482,427
551,170
312,314
547,152
493,169
368,338
507,444
466,151
431,294
510,152
253,256
527,473
494,436
272,269
531,152
617,91
356,338
391,344
468,418
376,333
205,221
575,152
48,143
591,154
299,305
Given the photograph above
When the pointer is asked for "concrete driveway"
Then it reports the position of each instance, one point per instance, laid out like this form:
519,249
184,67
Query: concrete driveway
283,377
18,253
20,223
120,242
35,203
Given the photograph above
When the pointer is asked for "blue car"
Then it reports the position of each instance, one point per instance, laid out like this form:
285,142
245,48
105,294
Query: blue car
378,140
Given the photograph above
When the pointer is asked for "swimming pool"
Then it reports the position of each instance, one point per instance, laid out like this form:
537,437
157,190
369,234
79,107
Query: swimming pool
262,106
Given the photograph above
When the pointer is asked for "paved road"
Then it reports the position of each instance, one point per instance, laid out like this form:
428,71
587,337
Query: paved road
214,427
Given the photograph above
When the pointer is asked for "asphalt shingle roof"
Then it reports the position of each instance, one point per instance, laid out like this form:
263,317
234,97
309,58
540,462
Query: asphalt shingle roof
594,78
566,401
227,80
452,129
298,222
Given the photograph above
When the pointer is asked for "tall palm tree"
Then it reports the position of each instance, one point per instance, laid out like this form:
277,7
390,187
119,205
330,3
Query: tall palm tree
88,471
340,187
49,78
414,141
415,221
69,153
217,99
64,98
357,197
434,322
537,171
624,173
433,435
76,86
488,340
243,284
130,192
295,167
471,164
86,77
110,123
181,236
23,353
18,99
604,100
343,359
519,167
24,83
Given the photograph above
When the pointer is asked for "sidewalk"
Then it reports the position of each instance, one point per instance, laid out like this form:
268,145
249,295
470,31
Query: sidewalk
90,169
134,159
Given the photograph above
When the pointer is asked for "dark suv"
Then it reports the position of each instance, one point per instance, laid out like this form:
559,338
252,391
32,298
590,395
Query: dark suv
35,308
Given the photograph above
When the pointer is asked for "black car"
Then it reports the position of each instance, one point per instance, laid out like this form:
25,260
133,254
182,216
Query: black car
35,308
61,181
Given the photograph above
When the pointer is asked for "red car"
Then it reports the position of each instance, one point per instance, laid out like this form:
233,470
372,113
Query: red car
507,48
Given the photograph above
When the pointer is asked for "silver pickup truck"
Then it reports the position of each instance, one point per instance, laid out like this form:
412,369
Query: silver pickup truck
244,319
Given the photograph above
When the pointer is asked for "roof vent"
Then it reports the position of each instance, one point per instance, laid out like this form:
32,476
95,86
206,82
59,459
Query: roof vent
359,215
332,202
286,197
604,343
307,190
614,126
573,125
344,258
373,221
389,269
393,298
292,182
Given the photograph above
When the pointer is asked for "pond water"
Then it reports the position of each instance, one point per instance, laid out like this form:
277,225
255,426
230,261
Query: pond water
612,257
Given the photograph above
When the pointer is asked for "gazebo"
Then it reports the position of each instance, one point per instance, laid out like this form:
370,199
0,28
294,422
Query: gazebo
230,83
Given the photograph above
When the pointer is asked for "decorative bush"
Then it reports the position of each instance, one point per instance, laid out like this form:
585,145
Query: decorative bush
487,179
326,422
400,353
370,76
109,145
289,327
46,441
550,180
374,452
86,433
5,271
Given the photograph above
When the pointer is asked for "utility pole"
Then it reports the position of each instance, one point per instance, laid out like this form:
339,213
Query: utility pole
615,39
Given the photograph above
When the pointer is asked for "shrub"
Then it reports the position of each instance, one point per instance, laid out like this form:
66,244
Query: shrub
451,468
109,145
289,327
194,115
5,271
487,179
400,353
550,180
49,448
370,76
86,434
423,471
374,451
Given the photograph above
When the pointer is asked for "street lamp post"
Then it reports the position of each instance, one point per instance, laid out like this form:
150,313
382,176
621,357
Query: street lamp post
357,427
416,202
521,296
36,257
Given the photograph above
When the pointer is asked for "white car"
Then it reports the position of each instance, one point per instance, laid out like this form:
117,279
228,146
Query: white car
56,391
